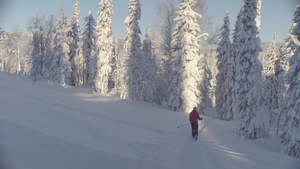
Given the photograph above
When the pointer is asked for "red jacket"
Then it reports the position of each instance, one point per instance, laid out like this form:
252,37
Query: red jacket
194,117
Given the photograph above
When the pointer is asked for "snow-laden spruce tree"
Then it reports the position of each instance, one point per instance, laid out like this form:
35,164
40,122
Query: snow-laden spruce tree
42,40
148,69
291,111
283,59
224,88
3,49
164,28
184,93
280,72
270,91
75,45
88,48
205,86
120,69
115,76
252,119
285,52
61,66
38,30
104,46
258,16
235,50
290,46
50,34
133,52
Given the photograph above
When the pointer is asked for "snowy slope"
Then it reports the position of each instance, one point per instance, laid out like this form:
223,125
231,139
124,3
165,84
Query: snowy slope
46,126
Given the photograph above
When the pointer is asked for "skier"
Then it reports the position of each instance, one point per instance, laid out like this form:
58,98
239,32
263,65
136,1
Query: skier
194,117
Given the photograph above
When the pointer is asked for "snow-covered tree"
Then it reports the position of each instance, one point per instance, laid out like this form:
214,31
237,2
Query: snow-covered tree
114,62
61,66
282,67
88,48
19,51
133,52
280,72
38,30
184,93
270,85
15,51
43,36
49,43
3,50
258,16
165,27
283,57
251,118
280,87
205,86
148,69
235,50
75,51
291,110
224,90
290,46
120,67
160,93
104,46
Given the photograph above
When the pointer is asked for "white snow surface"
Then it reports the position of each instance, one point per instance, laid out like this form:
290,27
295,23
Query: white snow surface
46,126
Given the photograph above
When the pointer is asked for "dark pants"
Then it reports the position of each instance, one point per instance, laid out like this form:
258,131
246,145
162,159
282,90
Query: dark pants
194,129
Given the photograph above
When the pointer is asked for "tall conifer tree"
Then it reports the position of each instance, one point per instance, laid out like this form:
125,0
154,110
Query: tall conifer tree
235,50
148,67
61,66
133,52
270,88
75,44
291,111
224,90
251,117
37,28
205,86
88,48
104,46
50,34
184,93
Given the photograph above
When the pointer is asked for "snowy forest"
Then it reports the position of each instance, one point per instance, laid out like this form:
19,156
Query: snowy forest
179,64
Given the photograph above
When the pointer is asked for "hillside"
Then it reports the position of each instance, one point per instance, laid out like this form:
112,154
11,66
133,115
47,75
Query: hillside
46,126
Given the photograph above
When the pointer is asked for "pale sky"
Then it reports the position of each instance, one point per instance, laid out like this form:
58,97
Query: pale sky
274,13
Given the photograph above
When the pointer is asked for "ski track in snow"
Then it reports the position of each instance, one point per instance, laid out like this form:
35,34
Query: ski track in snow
46,126
213,151
197,154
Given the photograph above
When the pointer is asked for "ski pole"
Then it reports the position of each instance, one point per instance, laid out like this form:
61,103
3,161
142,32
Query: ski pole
183,125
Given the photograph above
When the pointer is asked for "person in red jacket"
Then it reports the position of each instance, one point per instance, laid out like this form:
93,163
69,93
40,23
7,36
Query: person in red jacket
194,117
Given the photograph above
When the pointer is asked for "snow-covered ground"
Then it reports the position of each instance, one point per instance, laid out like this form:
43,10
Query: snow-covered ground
46,126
